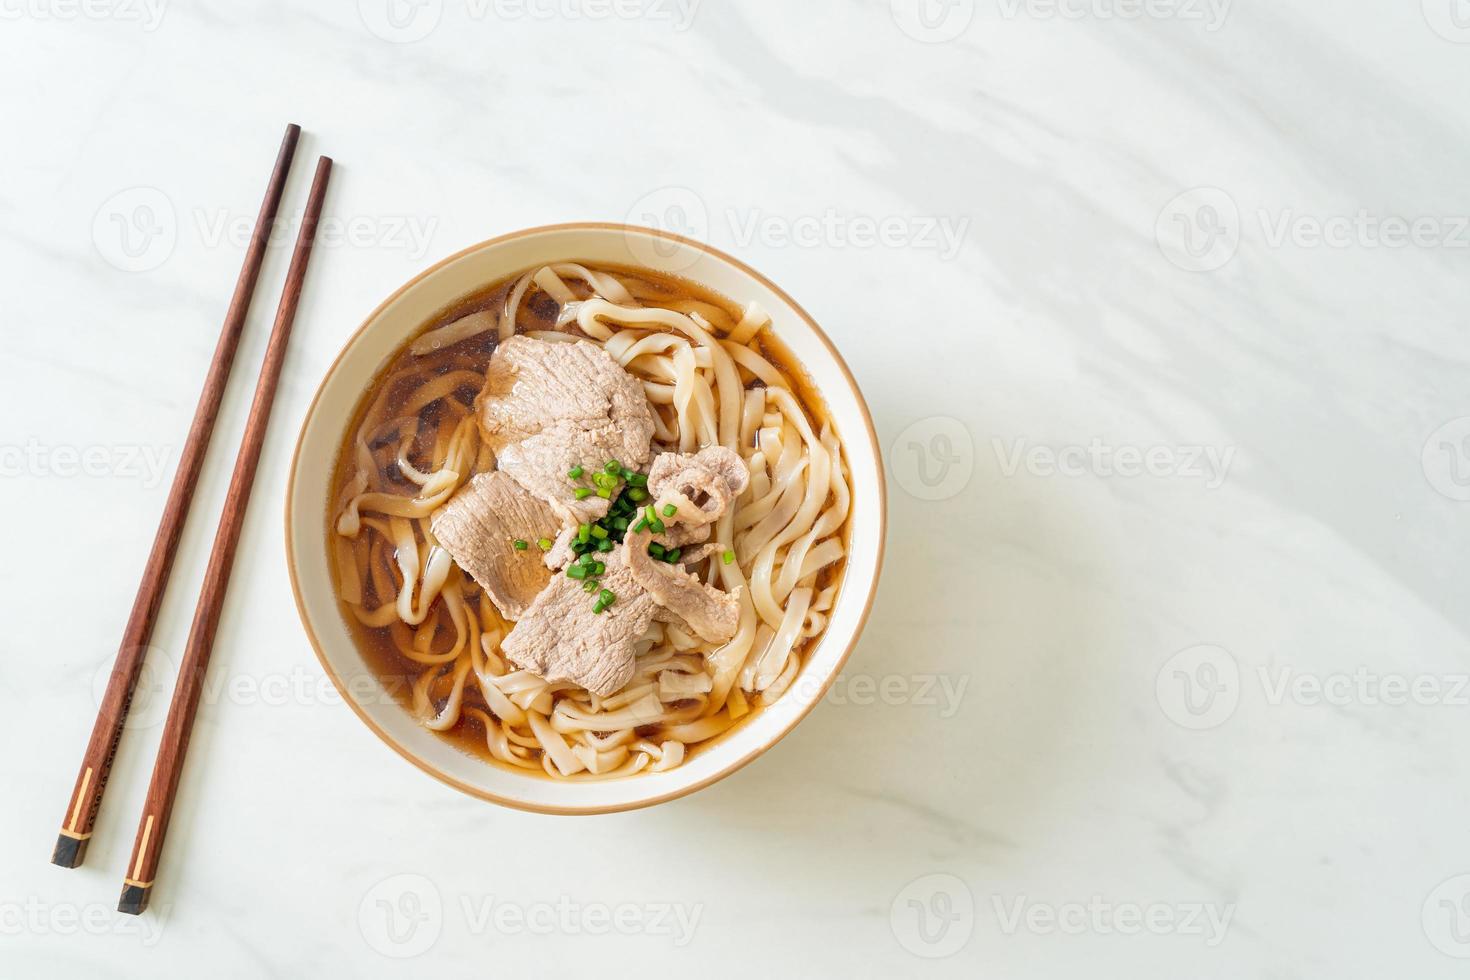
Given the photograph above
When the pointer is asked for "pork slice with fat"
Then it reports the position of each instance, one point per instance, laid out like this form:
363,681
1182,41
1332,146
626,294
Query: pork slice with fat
479,526
712,613
702,485
561,638
548,407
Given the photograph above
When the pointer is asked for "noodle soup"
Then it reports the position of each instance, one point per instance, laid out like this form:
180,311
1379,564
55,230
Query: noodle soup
713,375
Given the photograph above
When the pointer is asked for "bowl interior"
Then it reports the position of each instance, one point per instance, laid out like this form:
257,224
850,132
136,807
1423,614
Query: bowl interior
397,319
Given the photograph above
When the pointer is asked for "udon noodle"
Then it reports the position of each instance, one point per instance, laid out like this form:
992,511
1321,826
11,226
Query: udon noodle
713,375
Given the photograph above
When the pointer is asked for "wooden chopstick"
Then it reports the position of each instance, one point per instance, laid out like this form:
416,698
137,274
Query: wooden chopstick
168,767
86,794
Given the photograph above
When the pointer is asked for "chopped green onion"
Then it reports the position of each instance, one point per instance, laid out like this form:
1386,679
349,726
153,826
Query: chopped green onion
671,556
655,549
598,531
520,544
575,473
628,474
619,523
584,532
590,585
604,480
728,557
670,510
576,571
581,493
605,544
612,466
656,526
637,495
640,525
598,568
638,480
544,544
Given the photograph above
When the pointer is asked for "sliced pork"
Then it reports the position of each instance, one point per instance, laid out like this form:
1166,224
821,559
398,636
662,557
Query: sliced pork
549,407
479,527
561,638
712,613
701,485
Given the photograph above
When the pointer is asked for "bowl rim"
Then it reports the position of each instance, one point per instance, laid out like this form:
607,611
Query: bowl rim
741,761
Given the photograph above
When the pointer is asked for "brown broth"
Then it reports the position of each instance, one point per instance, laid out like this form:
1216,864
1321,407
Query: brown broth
537,312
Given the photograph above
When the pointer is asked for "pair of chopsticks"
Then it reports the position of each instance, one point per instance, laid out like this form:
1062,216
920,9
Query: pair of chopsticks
86,798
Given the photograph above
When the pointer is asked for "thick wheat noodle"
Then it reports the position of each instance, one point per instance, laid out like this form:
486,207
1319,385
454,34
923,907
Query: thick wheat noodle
690,356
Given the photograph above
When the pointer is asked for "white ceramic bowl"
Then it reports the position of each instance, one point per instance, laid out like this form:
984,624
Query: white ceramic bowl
386,330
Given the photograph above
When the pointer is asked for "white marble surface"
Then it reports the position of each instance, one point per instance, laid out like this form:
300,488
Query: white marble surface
1163,469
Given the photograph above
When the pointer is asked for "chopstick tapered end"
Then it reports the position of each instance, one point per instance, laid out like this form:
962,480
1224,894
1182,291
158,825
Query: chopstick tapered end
69,851
134,898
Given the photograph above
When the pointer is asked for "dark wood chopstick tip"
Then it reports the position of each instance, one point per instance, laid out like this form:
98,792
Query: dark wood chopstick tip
134,899
69,851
